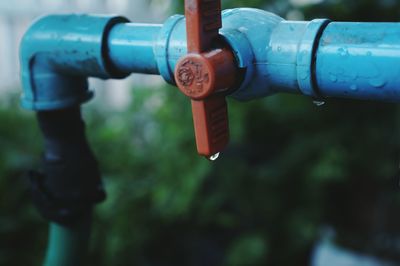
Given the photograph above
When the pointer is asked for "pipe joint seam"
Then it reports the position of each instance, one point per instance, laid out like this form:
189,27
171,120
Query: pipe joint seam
306,58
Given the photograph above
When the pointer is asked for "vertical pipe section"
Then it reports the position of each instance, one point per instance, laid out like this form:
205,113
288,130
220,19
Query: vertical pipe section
132,47
68,185
360,61
68,244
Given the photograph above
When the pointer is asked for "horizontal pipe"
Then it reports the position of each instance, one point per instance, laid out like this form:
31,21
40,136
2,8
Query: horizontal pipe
320,58
131,47
316,58
359,61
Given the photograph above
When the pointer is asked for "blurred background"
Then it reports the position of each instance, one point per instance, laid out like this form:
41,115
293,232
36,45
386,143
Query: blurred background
298,185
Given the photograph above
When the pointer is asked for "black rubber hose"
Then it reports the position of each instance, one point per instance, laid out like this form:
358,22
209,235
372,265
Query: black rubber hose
68,183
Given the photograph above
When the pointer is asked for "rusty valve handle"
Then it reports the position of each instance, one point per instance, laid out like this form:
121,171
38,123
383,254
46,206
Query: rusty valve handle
205,73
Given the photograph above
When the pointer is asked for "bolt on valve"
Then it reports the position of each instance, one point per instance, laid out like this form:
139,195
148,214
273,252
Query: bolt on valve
205,74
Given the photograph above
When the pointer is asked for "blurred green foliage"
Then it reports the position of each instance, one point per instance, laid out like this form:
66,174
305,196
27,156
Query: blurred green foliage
291,168
20,225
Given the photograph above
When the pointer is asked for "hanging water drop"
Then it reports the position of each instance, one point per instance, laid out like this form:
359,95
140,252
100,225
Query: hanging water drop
214,157
318,103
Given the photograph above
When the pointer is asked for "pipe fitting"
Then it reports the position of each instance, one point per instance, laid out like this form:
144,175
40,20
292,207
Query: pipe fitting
57,55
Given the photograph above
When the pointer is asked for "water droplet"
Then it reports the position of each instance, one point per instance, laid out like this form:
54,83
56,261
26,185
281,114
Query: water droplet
279,48
214,157
318,103
304,75
353,87
377,82
343,51
333,78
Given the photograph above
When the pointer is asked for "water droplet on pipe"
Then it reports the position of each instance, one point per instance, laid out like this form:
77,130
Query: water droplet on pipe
353,87
318,103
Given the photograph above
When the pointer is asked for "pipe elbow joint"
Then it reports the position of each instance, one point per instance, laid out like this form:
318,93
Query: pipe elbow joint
57,55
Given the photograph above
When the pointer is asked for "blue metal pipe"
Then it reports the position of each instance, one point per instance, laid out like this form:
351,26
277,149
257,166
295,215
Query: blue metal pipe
359,61
318,58
131,47
68,245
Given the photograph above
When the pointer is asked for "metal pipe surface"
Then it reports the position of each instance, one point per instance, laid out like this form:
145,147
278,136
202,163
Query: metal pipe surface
359,61
132,47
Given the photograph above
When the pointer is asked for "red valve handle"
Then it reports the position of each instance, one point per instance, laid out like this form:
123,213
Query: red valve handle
205,73
203,21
